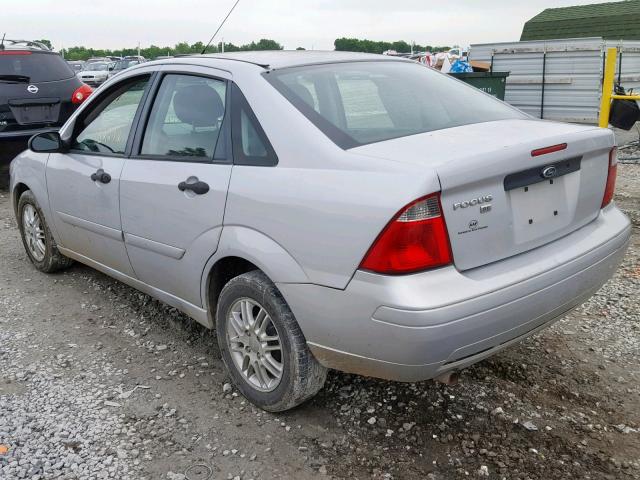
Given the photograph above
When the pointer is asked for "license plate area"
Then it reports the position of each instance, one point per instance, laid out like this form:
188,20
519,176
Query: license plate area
31,112
542,208
542,173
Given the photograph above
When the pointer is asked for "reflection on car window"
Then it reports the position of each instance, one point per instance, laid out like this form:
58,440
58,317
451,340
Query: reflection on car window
252,145
109,131
186,118
363,106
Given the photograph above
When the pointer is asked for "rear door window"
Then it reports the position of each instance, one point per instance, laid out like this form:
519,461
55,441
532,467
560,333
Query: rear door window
38,66
186,119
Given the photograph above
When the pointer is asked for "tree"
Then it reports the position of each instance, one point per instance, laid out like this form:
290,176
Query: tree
47,43
300,48
153,51
371,46
265,44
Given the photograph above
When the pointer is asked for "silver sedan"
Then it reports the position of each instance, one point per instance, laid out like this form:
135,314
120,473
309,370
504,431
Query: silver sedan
326,210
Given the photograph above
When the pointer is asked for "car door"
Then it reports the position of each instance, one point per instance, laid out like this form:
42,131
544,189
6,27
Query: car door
83,183
174,187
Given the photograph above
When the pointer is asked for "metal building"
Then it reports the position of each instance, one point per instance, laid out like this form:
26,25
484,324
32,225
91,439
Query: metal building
559,79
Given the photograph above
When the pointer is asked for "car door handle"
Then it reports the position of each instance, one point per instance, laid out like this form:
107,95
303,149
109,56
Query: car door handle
101,176
199,188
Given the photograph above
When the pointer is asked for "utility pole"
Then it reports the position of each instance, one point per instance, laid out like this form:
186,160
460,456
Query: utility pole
138,48
222,44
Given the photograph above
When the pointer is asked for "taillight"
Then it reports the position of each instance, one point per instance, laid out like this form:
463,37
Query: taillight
81,94
15,52
611,178
415,239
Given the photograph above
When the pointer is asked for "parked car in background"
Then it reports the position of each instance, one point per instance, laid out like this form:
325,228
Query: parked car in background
38,89
76,65
138,58
99,60
163,57
95,73
321,211
123,64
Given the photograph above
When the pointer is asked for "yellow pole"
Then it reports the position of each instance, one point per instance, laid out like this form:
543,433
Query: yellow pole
607,87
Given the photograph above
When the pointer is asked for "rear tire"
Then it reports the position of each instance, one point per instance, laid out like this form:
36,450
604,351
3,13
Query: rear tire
38,242
262,345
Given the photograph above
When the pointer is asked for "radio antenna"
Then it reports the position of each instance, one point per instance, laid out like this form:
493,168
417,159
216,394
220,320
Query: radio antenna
214,35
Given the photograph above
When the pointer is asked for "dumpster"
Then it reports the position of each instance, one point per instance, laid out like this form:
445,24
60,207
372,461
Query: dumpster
492,83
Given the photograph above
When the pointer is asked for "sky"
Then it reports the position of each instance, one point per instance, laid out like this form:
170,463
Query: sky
293,23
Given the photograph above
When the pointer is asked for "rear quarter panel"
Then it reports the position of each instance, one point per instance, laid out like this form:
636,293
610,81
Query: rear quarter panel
323,205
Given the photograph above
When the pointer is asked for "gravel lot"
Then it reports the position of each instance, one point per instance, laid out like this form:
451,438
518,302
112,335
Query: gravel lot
100,381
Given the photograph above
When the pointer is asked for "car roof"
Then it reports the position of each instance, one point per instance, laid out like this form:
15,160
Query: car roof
275,59
26,45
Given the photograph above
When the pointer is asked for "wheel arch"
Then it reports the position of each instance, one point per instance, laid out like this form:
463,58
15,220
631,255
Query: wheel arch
27,172
242,249
18,189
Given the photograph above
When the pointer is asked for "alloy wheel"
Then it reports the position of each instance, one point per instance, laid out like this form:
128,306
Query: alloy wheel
34,232
254,344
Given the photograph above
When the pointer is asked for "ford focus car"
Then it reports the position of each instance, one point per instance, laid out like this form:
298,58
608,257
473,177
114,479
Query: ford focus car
326,210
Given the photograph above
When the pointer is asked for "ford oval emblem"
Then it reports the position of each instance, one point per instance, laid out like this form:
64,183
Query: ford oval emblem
32,89
550,171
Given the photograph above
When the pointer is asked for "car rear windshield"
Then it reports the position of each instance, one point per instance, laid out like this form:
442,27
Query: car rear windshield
39,67
365,102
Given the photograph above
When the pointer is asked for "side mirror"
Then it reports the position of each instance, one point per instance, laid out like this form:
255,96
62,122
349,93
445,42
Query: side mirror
46,142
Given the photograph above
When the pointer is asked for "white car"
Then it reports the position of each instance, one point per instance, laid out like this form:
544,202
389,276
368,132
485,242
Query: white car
95,73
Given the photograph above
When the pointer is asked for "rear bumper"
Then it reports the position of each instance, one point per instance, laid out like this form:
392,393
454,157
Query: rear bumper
416,327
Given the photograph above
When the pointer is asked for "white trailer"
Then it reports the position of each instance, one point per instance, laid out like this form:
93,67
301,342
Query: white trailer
560,79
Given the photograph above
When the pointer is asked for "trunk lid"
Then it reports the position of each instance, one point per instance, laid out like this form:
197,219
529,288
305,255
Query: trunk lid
495,198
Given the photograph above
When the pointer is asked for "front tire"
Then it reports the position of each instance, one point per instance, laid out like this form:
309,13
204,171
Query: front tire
38,242
262,345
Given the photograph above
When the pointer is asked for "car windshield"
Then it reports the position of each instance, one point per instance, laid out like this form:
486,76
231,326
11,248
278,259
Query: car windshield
365,102
36,66
97,67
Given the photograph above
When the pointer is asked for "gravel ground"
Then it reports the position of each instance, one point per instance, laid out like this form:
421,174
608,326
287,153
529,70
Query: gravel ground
100,381
630,153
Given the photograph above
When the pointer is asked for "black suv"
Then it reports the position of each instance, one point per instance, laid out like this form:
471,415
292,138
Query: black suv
38,90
